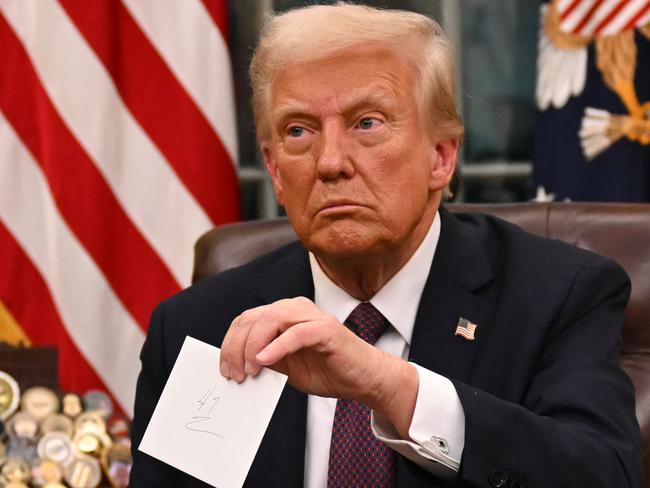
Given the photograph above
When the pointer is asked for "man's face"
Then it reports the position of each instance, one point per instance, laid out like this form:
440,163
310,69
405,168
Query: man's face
349,156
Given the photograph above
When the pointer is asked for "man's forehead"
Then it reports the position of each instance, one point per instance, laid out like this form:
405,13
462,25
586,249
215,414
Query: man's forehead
342,83
371,94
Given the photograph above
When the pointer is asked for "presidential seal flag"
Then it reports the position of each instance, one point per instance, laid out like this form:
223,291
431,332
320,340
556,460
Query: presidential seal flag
593,93
117,151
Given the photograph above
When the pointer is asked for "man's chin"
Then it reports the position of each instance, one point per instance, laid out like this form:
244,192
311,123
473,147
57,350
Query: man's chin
341,240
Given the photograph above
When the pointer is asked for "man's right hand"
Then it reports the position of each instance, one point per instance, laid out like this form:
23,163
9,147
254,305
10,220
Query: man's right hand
321,356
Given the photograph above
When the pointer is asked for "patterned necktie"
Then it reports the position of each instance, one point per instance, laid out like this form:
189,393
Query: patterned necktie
357,457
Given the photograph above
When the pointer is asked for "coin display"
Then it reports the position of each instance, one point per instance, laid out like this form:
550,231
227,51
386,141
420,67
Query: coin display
72,405
15,471
90,422
56,447
88,443
118,428
45,472
83,472
116,462
22,448
57,423
22,424
40,402
98,401
9,395
42,448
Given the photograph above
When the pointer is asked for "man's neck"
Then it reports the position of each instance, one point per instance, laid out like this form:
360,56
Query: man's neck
363,276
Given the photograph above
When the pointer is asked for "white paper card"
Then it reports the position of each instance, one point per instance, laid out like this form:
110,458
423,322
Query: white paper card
208,426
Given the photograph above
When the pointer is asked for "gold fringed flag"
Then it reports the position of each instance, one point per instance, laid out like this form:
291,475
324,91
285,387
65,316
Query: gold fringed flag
593,93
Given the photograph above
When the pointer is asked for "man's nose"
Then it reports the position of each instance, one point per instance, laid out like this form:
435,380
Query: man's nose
333,159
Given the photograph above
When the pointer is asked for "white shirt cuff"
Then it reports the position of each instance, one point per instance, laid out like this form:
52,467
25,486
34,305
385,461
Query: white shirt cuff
437,431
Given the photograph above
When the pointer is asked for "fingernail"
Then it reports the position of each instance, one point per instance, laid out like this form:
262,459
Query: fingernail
248,368
262,356
225,370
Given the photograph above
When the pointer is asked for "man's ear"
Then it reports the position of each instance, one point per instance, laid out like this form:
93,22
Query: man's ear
444,163
272,168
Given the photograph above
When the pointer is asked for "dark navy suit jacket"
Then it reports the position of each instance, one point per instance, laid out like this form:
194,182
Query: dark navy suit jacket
546,403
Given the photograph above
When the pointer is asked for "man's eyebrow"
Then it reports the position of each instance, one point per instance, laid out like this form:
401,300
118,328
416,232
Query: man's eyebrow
371,98
381,98
373,95
291,108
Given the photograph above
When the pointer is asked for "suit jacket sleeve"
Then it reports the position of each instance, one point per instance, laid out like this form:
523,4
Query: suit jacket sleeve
148,471
576,425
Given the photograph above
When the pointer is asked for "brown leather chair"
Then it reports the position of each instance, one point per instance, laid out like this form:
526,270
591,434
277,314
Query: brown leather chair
619,231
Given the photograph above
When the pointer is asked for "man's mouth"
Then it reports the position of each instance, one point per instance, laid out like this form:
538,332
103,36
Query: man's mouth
339,205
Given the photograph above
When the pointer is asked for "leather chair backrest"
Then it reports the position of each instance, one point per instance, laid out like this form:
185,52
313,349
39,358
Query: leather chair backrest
616,230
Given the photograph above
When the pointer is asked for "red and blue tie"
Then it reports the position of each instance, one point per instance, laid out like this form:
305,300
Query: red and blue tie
357,457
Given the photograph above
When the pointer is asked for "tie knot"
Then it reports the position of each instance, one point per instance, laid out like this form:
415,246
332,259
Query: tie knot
367,322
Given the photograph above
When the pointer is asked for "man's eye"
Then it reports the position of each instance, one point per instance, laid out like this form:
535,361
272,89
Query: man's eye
295,131
368,123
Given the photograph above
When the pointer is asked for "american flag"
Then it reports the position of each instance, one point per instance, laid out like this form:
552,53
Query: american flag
602,17
466,329
117,150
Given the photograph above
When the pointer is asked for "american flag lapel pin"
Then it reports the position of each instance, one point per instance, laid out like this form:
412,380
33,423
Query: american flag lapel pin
466,329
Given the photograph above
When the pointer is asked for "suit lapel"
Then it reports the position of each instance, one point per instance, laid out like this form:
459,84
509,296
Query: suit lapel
460,269
288,276
280,460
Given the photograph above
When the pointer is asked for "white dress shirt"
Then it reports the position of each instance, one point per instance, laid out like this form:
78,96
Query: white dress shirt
437,431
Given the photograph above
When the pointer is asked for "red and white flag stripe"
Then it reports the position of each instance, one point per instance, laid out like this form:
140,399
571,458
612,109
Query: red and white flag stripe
602,17
117,150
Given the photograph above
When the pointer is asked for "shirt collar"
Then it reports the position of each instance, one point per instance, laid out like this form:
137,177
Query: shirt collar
397,300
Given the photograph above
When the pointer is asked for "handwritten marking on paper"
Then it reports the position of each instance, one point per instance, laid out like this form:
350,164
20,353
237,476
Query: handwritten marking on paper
202,416
207,426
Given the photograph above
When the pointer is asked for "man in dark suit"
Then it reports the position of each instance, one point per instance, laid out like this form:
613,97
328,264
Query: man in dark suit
472,354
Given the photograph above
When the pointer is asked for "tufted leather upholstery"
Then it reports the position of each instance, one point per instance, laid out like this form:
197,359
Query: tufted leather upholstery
616,230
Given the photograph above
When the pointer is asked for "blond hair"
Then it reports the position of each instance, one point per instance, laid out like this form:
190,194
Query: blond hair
321,31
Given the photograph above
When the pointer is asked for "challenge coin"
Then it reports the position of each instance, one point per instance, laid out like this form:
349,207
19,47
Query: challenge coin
98,401
57,423
9,395
22,424
72,405
83,472
57,447
90,422
116,462
15,471
40,402
88,443
46,471
23,449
